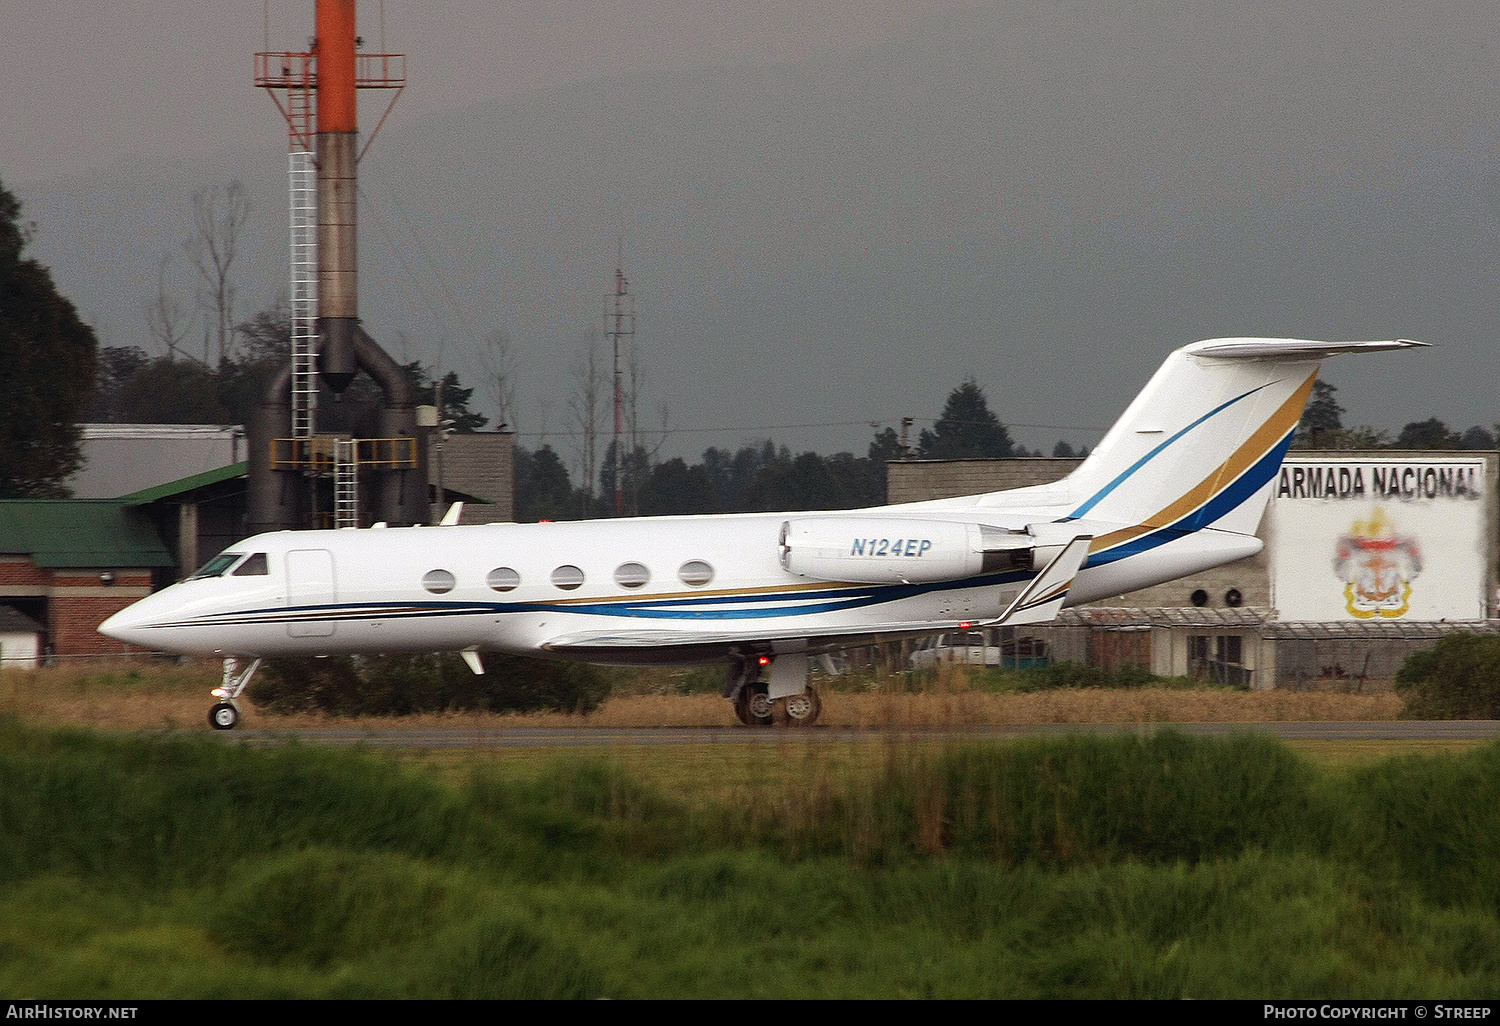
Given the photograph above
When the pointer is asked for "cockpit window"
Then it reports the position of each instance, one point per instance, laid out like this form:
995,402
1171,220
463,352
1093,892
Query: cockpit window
255,566
216,566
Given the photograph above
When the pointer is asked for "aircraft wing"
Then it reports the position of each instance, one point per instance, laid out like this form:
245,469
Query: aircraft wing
584,642
1042,599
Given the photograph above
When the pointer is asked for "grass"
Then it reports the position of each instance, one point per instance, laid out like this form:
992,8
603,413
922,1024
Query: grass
160,695
1143,865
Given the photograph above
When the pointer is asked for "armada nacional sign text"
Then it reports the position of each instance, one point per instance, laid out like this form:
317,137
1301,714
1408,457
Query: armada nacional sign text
1379,539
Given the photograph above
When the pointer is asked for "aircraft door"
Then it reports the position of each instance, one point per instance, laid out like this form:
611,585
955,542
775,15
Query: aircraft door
310,590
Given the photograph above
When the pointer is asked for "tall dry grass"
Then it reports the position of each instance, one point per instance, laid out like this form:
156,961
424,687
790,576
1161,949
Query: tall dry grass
162,695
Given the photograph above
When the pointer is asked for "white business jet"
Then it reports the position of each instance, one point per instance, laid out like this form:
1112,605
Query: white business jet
1177,486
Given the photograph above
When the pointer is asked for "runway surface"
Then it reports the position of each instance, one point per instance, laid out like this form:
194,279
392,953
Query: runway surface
577,737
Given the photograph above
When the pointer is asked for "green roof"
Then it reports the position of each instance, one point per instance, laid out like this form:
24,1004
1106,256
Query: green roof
80,533
187,484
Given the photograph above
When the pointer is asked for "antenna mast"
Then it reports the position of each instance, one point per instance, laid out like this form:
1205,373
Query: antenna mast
619,323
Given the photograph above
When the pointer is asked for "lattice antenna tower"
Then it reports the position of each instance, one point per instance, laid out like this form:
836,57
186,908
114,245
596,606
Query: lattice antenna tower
619,325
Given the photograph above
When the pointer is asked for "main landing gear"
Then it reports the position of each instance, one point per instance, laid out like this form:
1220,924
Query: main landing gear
226,713
752,699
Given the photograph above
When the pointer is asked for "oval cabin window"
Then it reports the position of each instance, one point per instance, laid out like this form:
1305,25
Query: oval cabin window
438,582
695,573
631,575
567,577
503,578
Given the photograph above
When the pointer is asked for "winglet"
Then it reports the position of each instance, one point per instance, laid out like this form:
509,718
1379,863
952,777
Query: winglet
450,518
1042,599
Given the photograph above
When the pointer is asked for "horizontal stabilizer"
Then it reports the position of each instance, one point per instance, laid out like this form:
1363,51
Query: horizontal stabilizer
1291,348
1042,599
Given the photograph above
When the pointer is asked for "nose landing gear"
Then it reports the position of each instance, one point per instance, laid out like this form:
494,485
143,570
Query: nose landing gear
226,713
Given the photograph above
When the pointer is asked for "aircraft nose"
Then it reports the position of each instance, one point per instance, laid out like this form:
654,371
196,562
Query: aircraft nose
128,625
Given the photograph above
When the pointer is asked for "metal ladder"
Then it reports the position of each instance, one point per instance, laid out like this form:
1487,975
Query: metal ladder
303,189
345,483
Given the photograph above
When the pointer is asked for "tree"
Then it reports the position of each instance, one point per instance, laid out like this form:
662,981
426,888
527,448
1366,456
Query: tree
585,406
967,429
500,375
1457,679
165,318
1428,434
174,392
1477,438
543,490
456,398
1321,420
268,335
885,446
49,358
116,366
219,217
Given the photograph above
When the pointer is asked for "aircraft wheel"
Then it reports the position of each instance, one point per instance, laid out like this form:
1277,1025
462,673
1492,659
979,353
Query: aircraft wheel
223,716
753,706
797,710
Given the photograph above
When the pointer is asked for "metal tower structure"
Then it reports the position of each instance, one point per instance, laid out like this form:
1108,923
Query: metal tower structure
316,91
619,325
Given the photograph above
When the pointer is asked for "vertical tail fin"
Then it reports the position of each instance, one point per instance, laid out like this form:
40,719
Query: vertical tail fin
1201,444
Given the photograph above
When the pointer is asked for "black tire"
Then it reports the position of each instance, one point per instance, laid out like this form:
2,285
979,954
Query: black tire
797,710
223,716
752,705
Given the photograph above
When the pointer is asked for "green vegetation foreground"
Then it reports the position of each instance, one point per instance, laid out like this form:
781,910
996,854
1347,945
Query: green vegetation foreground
1159,866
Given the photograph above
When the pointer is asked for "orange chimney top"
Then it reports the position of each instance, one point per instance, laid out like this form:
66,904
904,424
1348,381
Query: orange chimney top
335,48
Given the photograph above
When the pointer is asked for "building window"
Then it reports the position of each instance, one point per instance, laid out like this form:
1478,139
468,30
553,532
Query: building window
1220,658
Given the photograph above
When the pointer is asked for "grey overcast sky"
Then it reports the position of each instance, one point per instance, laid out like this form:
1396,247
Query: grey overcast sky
86,84
832,211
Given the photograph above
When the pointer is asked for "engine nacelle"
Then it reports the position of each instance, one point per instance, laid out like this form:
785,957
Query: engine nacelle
885,550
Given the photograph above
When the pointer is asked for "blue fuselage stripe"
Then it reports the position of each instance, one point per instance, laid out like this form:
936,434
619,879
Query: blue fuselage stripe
721,607
1225,502
1099,496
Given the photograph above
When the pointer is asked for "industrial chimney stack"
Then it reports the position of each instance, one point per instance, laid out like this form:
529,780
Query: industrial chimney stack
346,480
338,154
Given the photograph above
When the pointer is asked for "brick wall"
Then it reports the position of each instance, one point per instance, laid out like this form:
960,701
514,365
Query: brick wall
20,570
479,464
78,601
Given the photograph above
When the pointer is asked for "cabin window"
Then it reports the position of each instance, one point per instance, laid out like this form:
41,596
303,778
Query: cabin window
695,573
631,575
503,578
567,577
439,582
255,566
216,566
